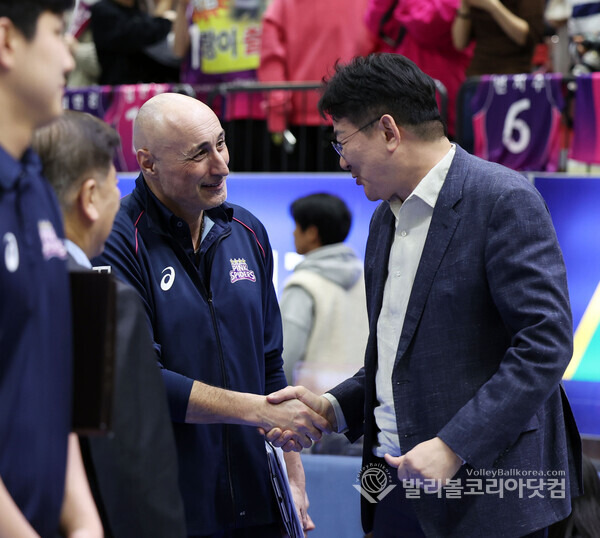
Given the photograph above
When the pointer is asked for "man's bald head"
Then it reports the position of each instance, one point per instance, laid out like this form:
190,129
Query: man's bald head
162,113
182,154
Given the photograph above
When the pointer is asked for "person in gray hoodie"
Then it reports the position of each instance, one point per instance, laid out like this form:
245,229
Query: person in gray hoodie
323,303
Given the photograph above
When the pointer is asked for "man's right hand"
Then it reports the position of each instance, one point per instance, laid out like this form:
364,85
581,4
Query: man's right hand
297,420
277,412
284,437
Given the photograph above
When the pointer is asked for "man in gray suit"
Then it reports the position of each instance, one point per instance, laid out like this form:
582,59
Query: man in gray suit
460,399
133,471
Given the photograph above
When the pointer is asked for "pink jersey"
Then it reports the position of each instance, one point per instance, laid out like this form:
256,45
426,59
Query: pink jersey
126,103
585,145
427,40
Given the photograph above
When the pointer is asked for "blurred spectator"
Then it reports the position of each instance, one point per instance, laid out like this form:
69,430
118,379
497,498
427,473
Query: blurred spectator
81,44
301,41
323,304
584,520
219,43
43,488
556,15
131,44
584,33
576,42
421,31
584,17
505,34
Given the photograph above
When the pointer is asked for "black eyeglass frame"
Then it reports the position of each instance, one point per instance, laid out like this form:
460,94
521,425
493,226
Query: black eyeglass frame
338,146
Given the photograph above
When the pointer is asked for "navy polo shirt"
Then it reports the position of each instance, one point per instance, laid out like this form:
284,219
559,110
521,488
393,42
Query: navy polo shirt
35,343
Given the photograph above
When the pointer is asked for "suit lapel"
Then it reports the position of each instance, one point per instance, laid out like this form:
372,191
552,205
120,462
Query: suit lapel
376,269
444,221
380,260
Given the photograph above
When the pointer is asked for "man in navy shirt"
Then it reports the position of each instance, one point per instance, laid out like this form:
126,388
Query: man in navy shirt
204,268
42,481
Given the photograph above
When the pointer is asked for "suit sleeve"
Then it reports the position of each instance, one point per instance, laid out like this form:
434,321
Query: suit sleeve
527,281
350,394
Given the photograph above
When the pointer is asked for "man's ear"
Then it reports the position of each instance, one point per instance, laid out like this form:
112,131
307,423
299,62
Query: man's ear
8,34
145,161
391,131
87,198
313,235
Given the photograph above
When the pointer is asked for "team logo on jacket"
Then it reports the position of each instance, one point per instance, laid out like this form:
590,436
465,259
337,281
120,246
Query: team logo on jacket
240,271
52,246
168,278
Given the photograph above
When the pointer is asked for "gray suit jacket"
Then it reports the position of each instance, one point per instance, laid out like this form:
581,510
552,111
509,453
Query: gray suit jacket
486,339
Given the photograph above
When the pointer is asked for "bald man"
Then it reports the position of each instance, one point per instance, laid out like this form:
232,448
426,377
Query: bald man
204,268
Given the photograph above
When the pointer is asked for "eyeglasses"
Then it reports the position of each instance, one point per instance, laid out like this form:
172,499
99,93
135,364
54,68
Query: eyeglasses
339,146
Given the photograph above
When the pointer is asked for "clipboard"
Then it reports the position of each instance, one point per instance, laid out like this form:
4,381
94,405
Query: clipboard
283,494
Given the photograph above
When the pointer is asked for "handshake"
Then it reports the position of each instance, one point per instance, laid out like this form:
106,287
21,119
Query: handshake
294,417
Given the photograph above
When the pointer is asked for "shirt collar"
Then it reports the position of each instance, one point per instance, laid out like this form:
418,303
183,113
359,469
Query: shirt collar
77,254
13,168
428,189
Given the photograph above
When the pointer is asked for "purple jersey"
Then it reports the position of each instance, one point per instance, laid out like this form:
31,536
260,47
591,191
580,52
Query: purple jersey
585,145
95,100
516,120
126,103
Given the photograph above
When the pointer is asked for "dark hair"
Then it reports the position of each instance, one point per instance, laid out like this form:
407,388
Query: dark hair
24,14
584,520
327,212
73,146
383,83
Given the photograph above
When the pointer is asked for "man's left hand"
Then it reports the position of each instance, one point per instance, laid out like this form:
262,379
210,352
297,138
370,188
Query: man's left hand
297,480
431,459
301,502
